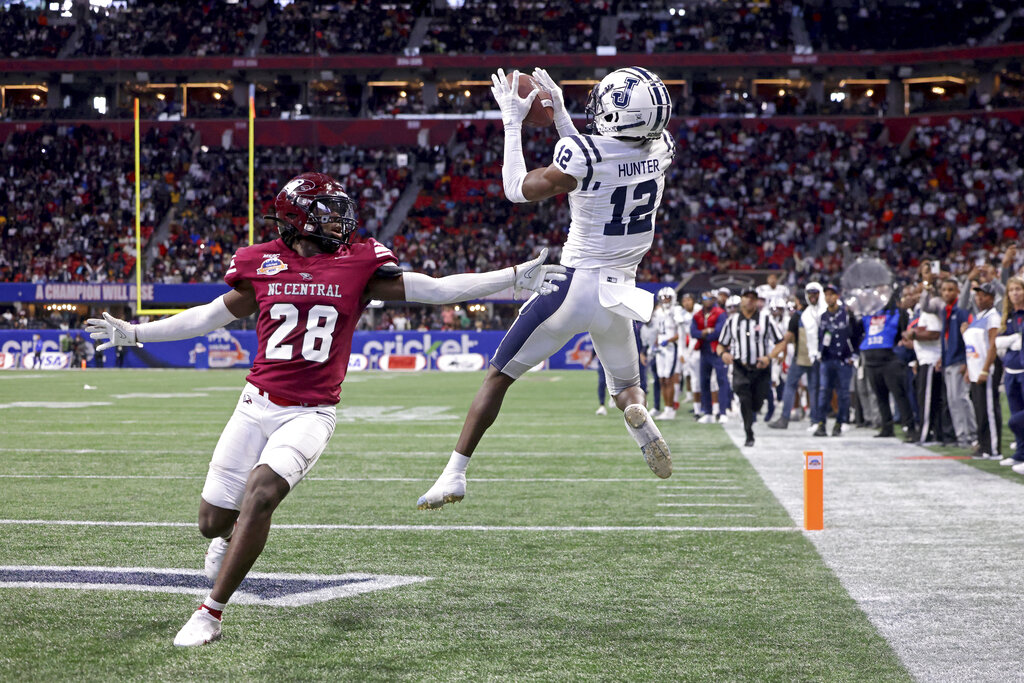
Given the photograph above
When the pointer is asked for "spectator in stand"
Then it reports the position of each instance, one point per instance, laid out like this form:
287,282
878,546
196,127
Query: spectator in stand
985,372
803,335
772,290
1013,363
839,333
923,334
706,328
885,370
954,358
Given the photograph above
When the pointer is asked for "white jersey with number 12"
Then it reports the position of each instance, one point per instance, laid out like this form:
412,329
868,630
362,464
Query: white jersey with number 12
618,191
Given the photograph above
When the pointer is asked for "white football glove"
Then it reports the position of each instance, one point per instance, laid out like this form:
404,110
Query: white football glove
533,276
513,107
117,331
547,83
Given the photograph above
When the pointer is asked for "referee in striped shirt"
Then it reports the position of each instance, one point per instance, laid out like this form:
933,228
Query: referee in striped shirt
745,342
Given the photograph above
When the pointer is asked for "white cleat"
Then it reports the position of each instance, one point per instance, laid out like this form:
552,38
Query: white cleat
200,629
667,414
707,419
450,487
1018,468
722,419
214,557
648,437
601,411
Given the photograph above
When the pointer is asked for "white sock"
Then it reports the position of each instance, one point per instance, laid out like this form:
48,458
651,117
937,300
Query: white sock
215,608
457,463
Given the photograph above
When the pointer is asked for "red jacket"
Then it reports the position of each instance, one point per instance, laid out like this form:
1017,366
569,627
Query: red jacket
703,322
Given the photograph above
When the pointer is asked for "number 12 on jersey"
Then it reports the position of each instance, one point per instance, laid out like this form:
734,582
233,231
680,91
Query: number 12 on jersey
641,216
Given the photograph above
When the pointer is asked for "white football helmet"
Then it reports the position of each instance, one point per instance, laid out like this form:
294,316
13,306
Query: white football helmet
667,297
629,103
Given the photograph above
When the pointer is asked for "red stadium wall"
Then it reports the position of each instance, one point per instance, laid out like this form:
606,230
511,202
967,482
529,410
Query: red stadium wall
406,132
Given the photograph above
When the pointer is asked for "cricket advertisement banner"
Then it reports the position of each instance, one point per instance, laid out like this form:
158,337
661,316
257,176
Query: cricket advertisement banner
226,348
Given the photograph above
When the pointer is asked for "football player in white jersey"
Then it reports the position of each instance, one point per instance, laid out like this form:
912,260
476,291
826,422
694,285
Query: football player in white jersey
688,360
667,321
614,177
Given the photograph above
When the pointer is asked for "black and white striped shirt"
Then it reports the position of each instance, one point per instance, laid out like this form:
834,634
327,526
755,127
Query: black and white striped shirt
750,338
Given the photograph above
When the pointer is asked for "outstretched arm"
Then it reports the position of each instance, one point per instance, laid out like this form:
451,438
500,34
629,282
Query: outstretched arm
531,276
196,321
519,185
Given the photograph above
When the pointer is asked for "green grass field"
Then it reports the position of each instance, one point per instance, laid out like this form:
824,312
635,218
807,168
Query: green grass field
570,568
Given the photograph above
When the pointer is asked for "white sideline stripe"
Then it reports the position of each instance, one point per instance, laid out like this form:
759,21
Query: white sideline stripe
704,488
705,505
704,514
703,495
569,480
405,527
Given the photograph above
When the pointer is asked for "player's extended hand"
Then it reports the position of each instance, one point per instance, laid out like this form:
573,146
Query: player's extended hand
547,83
117,331
513,107
534,276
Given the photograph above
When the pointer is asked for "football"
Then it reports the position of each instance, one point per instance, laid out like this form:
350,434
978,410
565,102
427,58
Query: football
542,112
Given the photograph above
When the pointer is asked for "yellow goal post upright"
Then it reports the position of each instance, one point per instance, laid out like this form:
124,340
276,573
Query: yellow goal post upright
139,308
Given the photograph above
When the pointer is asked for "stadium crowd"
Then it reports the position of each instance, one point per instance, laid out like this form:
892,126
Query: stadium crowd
799,194
929,351
249,27
209,222
67,210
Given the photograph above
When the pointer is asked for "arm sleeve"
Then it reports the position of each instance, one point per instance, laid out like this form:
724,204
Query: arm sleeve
564,124
455,288
513,169
725,335
187,324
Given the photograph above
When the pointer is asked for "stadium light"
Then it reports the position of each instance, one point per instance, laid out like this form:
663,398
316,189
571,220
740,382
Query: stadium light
100,104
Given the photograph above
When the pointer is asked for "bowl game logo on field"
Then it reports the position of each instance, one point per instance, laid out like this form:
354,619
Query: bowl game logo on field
258,588
272,265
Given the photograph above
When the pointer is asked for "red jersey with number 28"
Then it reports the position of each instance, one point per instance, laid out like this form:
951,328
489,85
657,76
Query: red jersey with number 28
308,310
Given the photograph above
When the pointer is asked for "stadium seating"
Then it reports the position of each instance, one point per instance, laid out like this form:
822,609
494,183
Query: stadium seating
304,27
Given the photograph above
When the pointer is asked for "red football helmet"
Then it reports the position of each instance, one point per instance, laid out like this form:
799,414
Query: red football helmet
306,203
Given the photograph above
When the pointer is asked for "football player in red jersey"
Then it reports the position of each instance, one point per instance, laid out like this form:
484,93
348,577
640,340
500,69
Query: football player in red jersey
309,288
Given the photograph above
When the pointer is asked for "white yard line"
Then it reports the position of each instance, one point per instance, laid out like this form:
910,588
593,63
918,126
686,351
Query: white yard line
412,527
929,549
567,480
624,452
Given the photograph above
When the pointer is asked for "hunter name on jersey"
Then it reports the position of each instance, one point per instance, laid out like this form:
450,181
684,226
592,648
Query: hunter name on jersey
637,167
303,289
618,191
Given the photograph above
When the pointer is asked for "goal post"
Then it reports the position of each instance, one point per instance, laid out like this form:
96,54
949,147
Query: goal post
139,308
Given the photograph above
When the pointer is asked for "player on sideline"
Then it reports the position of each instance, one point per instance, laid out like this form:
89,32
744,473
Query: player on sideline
668,323
308,288
614,179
